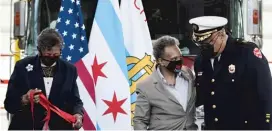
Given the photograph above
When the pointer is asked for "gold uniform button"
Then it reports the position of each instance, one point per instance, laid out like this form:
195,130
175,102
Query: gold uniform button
267,120
212,93
246,122
213,80
215,119
214,106
232,80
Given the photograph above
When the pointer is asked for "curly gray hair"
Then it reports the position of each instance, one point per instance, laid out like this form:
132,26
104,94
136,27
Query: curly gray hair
49,38
162,42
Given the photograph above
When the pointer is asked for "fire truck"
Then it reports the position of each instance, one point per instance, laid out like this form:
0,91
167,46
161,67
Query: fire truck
164,17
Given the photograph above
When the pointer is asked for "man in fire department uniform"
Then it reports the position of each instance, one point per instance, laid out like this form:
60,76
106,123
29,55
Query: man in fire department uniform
233,79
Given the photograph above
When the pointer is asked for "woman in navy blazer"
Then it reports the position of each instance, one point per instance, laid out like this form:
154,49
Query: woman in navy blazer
48,74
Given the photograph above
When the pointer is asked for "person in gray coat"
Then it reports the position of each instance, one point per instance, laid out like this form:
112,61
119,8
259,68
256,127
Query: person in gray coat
166,98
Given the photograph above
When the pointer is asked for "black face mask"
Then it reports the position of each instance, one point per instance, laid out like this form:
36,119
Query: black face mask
175,66
49,60
207,49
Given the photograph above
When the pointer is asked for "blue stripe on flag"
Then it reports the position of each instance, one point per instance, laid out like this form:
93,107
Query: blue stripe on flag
111,28
98,127
127,53
133,98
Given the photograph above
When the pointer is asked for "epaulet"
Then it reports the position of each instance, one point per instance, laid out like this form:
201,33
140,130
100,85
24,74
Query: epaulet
241,41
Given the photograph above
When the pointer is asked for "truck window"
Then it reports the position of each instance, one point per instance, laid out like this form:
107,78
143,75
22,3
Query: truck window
172,17
164,17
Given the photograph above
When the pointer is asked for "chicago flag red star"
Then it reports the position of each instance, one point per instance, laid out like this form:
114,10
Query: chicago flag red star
114,107
97,70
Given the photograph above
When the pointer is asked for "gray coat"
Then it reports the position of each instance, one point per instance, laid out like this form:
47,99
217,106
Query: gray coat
157,109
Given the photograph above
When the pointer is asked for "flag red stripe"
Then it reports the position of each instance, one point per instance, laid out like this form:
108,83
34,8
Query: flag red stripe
86,78
87,81
87,123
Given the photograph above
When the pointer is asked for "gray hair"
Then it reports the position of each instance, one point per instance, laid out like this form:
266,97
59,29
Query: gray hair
162,42
49,38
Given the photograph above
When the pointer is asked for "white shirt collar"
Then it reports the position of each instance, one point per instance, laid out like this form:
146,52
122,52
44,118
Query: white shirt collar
163,79
43,65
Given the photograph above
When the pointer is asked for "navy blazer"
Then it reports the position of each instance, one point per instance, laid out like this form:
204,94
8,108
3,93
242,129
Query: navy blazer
64,94
237,94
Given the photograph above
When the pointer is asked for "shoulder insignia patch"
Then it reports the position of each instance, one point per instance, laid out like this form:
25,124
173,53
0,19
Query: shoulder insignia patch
257,53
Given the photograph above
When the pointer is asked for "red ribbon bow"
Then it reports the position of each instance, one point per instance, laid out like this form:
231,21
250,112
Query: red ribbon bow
49,107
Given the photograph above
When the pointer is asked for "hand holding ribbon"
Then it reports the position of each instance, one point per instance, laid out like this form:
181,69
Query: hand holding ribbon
26,97
50,107
78,124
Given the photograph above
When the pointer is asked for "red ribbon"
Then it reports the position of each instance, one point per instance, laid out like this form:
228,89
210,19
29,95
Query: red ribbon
49,107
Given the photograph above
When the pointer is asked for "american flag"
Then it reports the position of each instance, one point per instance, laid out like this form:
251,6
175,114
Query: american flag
70,25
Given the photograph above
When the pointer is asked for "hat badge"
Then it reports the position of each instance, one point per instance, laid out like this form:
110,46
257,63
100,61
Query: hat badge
231,68
195,27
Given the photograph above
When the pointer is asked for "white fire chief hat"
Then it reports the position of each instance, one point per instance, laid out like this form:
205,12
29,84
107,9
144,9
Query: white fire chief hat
204,26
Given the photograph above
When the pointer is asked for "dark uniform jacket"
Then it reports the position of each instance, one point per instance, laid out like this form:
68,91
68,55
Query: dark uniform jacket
238,93
64,94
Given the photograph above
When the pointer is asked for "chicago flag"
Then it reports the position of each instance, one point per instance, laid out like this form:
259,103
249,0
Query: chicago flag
108,68
138,44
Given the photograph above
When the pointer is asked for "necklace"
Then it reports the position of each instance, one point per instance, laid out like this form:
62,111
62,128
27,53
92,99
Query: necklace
47,71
